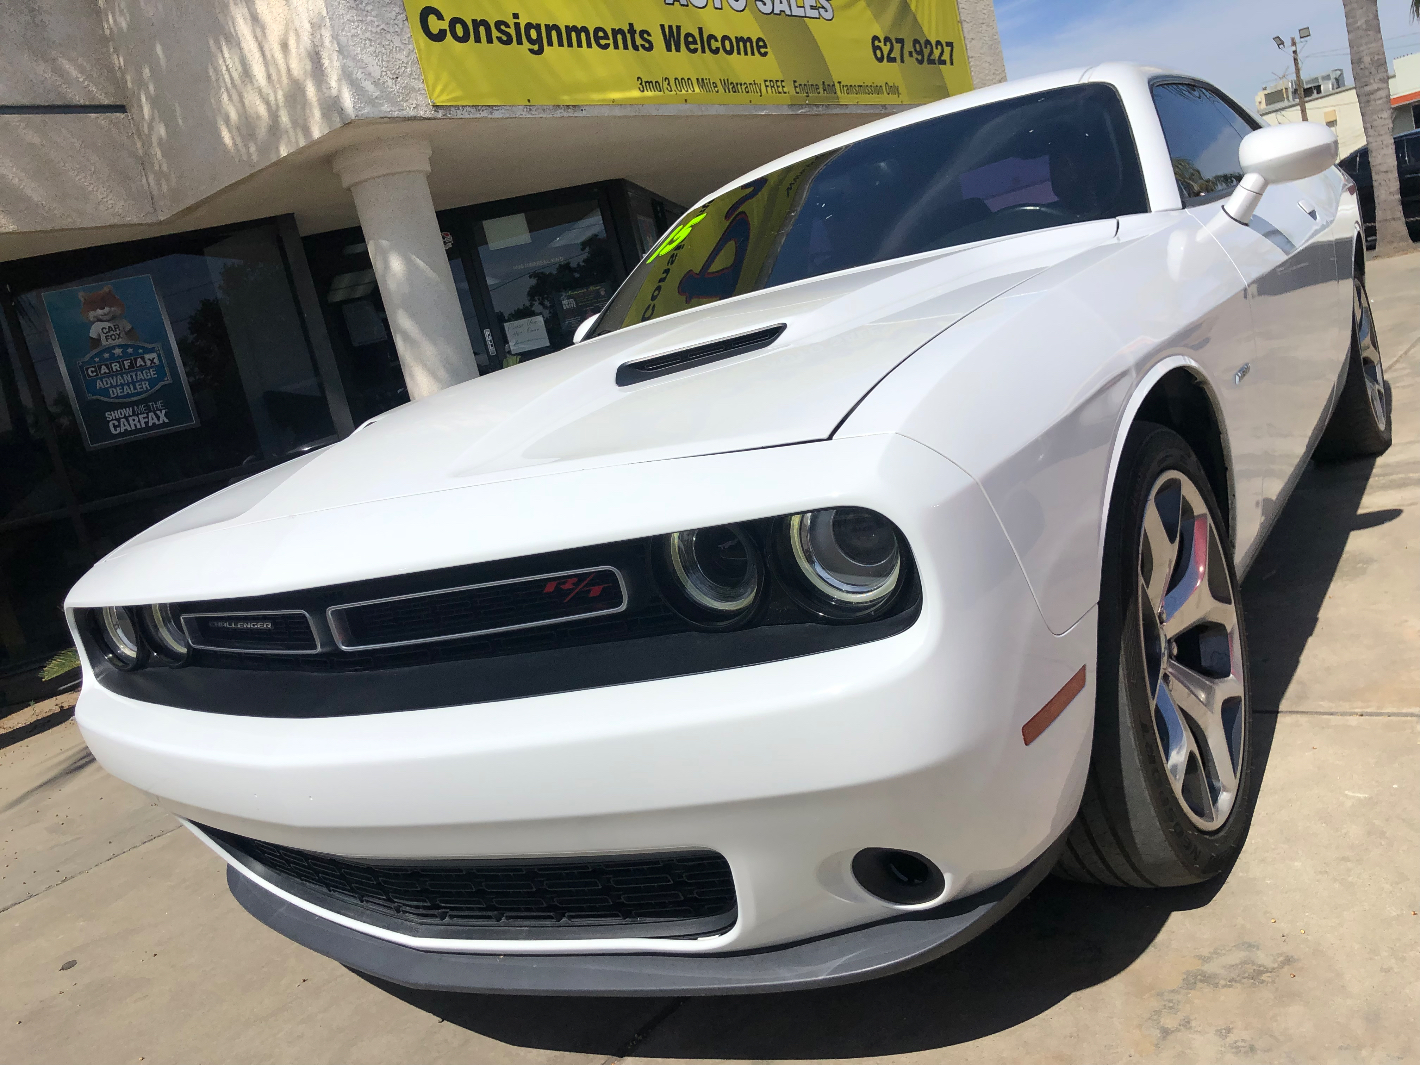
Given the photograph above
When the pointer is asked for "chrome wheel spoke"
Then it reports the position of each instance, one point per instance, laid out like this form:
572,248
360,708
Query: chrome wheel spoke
1375,389
1177,740
1191,600
1202,699
1183,761
1197,795
1163,556
1372,370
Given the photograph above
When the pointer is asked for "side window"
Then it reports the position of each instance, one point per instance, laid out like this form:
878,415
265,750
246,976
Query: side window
1203,134
1407,152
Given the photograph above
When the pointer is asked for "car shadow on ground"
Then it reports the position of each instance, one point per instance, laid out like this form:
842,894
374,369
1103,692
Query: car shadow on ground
1065,937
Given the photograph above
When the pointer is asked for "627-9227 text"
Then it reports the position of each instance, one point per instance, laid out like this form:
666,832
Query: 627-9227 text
926,53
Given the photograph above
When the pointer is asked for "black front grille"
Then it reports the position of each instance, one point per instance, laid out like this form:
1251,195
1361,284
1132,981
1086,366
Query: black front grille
686,893
653,619
404,655
484,608
269,632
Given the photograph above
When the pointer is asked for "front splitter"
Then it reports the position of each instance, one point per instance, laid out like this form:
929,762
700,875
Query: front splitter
840,958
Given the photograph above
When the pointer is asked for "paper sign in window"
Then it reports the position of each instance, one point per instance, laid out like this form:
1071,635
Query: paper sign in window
526,334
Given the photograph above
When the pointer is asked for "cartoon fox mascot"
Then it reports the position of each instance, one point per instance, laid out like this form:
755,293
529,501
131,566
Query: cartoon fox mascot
104,310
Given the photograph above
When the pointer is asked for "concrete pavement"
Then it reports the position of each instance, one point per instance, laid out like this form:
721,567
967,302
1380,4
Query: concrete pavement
1306,951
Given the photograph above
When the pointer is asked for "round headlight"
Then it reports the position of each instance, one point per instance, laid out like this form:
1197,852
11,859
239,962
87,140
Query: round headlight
165,633
118,630
850,558
716,572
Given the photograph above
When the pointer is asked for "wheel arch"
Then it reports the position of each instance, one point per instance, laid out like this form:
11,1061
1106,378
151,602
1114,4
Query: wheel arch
1176,393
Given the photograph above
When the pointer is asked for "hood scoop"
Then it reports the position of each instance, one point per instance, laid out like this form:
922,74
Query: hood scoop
631,373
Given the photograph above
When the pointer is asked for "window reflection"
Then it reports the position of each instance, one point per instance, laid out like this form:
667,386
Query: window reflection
240,341
225,436
548,270
28,484
248,366
359,327
1203,135
265,337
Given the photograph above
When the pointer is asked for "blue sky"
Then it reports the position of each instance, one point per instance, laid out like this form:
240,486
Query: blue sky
1227,42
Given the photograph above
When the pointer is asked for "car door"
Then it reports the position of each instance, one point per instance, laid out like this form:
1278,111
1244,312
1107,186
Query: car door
1287,260
1407,159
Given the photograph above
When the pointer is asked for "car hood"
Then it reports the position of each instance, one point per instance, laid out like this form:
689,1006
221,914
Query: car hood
843,333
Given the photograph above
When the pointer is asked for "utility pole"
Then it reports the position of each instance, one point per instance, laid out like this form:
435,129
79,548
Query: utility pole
1303,33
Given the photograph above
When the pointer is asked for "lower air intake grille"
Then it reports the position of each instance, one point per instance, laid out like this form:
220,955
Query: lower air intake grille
685,893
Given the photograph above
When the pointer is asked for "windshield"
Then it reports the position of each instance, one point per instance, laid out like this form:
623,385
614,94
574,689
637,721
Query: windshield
1030,162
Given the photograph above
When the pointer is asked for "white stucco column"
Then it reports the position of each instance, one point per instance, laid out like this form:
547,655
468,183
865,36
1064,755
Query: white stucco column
388,179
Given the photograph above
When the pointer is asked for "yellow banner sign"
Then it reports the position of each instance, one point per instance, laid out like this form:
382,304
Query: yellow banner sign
511,52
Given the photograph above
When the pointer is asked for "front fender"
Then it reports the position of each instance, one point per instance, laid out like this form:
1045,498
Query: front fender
1034,393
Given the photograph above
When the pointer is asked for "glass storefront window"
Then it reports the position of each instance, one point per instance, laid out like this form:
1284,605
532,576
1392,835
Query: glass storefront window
527,273
355,315
39,563
29,485
135,379
264,333
650,217
548,269
254,396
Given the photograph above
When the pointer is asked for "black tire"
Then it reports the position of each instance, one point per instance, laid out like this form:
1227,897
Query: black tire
1360,425
1133,828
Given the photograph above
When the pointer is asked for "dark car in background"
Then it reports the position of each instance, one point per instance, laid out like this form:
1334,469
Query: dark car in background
1407,158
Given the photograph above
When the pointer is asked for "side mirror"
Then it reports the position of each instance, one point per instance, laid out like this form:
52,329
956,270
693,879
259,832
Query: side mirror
585,328
1276,154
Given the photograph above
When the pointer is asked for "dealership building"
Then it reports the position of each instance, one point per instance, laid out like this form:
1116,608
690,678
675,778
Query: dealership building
232,230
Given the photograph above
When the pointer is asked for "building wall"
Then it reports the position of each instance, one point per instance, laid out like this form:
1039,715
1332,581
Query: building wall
1347,120
1343,105
54,52
220,88
71,171
63,170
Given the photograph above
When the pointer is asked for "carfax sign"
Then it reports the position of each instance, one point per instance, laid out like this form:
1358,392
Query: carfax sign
689,51
120,362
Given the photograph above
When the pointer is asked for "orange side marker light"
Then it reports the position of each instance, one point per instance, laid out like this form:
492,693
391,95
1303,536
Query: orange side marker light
1031,730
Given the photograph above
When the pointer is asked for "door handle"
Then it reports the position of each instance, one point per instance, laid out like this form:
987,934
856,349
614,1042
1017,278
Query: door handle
1308,208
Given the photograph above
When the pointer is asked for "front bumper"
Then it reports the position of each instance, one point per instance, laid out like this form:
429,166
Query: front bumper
785,768
847,957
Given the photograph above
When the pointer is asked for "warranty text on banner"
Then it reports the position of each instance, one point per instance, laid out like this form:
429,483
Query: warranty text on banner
755,52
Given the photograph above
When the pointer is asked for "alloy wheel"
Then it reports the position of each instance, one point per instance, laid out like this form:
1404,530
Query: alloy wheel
1192,642
1372,370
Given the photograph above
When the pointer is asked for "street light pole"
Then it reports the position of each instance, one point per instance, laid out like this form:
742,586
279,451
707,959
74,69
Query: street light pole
1303,33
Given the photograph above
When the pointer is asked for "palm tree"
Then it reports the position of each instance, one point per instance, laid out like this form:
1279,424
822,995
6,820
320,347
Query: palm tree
1368,70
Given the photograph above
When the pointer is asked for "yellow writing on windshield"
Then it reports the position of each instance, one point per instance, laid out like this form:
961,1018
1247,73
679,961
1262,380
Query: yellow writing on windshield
676,237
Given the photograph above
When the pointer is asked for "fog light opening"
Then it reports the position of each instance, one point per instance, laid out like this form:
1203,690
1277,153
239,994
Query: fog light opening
903,878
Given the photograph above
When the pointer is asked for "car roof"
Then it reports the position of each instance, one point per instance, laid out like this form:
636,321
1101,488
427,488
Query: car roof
1409,134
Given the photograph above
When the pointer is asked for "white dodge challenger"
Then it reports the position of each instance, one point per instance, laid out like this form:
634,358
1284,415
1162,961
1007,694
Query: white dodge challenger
874,552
